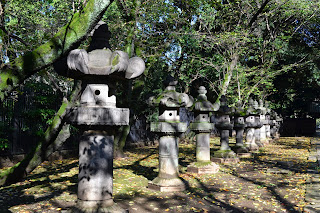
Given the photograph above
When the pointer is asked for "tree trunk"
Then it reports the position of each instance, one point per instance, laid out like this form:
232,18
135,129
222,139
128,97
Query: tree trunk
123,132
68,38
53,138
227,77
120,141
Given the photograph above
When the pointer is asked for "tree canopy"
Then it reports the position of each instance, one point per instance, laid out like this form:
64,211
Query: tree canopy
236,47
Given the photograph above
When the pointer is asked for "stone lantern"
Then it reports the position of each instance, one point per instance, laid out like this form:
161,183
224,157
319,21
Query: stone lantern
258,124
279,121
224,125
252,123
169,127
97,116
273,123
202,127
239,125
268,121
263,112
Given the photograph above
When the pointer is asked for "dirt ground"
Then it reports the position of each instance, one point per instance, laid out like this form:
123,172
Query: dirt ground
271,180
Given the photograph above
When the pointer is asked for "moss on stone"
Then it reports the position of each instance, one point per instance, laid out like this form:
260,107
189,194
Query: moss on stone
115,60
224,154
200,164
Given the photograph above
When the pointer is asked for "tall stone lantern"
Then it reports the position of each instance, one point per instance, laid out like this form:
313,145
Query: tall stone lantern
258,124
264,122
239,125
169,127
252,123
97,116
273,123
279,121
202,127
224,125
268,121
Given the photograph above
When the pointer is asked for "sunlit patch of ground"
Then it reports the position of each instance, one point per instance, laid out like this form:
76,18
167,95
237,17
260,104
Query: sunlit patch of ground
272,180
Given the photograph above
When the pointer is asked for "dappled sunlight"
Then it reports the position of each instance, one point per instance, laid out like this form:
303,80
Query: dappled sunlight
272,180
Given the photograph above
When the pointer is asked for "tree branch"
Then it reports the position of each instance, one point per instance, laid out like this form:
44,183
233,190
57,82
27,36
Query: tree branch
68,38
13,36
255,16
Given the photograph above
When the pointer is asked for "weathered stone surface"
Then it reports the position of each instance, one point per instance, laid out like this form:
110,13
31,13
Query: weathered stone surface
168,177
169,103
225,160
202,104
223,122
169,115
201,127
98,68
263,135
253,125
104,62
96,206
135,68
203,147
239,123
100,60
78,59
201,117
168,127
97,62
224,139
250,136
211,168
168,157
98,116
244,155
174,186
250,121
257,135
95,167
97,95
239,137
170,98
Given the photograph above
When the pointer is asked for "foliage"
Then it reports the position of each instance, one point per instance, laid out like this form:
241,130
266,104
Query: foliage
32,22
236,48
67,38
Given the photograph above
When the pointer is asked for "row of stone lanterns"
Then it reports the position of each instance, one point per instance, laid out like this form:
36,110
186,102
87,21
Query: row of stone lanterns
97,117
169,127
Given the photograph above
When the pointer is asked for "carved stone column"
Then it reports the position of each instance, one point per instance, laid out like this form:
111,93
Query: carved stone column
224,125
239,125
252,127
168,127
264,122
97,117
202,127
258,124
